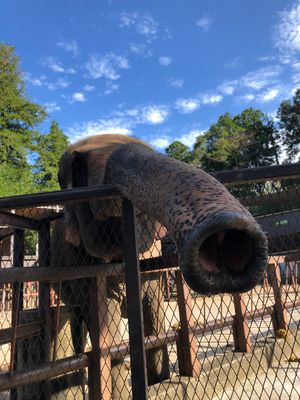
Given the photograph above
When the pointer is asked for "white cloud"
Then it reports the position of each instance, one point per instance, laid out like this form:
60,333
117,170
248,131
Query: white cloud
204,23
261,78
121,121
287,31
52,107
228,88
248,97
141,49
155,114
165,60
176,83
144,25
107,66
268,95
42,81
186,106
211,98
70,46
58,84
160,143
54,65
189,138
88,88
101,127
78,97
111,87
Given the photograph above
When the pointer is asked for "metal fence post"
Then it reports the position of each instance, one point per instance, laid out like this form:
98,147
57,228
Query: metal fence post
241,332
99,377
134,305
44,301
279,315
189,364
17,299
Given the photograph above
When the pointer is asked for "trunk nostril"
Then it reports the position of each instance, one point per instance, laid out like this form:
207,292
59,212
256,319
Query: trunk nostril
226,250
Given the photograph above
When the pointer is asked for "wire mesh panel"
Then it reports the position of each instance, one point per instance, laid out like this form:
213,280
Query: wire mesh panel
87,286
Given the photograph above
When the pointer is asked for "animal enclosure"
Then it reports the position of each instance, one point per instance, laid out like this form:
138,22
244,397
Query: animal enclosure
76,327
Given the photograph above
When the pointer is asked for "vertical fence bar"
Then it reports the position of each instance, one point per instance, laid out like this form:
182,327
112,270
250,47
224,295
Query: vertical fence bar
240,325
44,302
279,316
189,364
134,305
17,292
100,380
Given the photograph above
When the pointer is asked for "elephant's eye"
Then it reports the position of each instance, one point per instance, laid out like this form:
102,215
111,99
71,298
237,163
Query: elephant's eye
79,171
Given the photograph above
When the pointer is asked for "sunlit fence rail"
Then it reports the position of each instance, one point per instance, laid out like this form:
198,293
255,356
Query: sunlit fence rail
127,326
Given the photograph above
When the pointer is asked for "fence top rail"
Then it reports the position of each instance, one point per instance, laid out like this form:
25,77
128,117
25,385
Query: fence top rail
259,174
58,197
247,175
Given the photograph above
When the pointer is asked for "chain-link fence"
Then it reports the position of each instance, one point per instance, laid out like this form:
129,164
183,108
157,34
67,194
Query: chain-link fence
96,306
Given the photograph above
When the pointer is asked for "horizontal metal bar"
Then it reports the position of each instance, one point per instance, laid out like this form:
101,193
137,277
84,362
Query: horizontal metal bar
60,367
43,372
151,342
18,221
259,174
58,197
283,197
159,263
279,224
5,232
23,331
220,324
53,274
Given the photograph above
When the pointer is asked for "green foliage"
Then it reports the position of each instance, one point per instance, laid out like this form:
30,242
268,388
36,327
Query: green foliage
246,140
50,147
180,151
289,122
15,180
18,118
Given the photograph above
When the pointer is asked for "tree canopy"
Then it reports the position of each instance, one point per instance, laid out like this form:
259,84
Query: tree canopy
289,122
28,159
249,139
50,147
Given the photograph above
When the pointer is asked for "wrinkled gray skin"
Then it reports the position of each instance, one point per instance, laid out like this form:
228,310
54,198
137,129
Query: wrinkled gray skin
221,248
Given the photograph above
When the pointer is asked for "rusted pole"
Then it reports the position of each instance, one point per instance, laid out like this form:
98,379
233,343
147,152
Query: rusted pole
134,305
44,301
100,380
187,349
17,295
279,316
241,332
56,322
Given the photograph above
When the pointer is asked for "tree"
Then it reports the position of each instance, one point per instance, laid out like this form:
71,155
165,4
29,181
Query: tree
180,151
289,122
50,147
18,118
248,139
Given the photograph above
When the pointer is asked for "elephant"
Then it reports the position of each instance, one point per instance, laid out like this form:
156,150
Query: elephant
220,246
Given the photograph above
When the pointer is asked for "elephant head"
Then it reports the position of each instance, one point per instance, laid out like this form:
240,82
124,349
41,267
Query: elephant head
221,247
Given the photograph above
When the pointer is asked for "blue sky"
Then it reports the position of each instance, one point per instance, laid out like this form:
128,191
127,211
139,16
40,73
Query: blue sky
158,70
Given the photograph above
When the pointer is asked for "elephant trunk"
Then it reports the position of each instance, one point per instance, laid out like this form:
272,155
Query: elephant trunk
221,247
